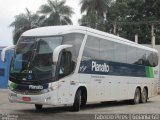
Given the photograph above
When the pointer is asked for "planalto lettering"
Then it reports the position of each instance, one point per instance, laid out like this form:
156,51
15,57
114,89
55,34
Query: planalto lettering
100,67
39,87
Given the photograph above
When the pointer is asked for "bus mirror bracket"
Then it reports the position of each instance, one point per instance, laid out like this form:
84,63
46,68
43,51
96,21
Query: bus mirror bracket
57,51
3,53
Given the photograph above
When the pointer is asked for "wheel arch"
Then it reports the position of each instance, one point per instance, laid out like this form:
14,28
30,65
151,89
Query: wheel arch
84,92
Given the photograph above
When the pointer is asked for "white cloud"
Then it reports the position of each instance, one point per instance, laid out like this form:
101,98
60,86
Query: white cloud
10,8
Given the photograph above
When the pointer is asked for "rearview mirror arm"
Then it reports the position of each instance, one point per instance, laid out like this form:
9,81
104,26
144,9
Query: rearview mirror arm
57,51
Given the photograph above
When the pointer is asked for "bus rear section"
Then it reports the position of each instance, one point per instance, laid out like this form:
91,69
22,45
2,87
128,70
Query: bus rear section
116,69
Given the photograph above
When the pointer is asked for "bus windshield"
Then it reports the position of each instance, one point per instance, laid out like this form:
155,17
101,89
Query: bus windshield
32,60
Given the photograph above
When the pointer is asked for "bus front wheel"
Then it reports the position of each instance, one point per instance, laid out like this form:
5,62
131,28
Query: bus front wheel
38,107
77,101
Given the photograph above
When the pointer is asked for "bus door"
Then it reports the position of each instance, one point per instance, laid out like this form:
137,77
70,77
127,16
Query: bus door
63,91
64,69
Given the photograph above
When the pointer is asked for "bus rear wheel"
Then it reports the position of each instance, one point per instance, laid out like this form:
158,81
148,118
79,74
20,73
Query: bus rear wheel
38,106
77,101
137,96
144,96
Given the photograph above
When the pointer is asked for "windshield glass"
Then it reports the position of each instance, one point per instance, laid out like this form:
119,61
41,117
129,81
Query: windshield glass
32,61
33,58
24,51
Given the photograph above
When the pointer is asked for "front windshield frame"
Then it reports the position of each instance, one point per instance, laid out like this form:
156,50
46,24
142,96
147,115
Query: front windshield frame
31,60
74,39
15,53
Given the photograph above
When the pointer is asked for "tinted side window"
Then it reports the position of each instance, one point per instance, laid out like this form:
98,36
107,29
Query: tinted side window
106,50
149,58
131,55
91,50
66,67
120,53
155,59
141,57
74,39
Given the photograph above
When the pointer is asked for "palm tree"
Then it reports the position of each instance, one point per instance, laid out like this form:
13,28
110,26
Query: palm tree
56,12
95,13
98,7
25,22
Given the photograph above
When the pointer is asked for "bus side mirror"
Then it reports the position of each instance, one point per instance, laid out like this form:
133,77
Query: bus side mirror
57,51
3,53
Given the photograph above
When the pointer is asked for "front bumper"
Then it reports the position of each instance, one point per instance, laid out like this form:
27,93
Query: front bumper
44,99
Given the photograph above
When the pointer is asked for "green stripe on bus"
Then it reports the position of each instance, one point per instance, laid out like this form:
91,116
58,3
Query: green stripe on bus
13,86
149,72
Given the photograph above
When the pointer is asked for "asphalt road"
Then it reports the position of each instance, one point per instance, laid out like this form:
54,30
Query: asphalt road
90,112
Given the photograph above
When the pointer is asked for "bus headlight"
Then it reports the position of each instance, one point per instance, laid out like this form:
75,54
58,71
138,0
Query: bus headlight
45,91
52,88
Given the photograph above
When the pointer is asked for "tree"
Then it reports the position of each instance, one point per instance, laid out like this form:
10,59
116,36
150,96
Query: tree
134,17
25,22
98,7
92,21
95,13
116,13
56,13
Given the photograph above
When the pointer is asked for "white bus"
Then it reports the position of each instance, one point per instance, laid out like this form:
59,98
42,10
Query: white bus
74,65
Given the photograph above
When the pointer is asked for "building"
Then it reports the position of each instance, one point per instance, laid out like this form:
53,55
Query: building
4,69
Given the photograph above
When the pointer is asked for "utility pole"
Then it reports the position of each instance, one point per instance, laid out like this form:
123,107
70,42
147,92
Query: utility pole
115,27
136,38
152,36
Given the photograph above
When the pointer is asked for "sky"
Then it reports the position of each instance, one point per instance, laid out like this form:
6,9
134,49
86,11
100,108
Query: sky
11,8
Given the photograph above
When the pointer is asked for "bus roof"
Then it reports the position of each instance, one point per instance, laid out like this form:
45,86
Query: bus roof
53,30
60,30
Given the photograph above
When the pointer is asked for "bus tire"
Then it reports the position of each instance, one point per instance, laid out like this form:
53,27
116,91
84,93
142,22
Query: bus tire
144,96
83,99
77,101
38,106
137,96
83,103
